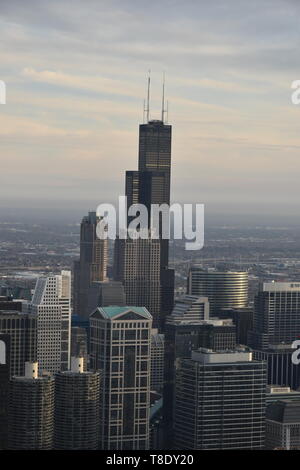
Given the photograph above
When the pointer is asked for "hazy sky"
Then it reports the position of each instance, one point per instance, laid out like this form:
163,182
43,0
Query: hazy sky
76,79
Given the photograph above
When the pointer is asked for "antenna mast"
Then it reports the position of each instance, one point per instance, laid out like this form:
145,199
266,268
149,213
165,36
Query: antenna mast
167,112
148,98
163,100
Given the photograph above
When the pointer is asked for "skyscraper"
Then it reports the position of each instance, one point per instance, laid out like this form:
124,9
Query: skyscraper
4,381
103,294
185,331
276,325
77,408
243,320
92,264
51,306
137,266
151,185
224,289
283,425
220,401
31,411
280,367
120,347
21,329
276,314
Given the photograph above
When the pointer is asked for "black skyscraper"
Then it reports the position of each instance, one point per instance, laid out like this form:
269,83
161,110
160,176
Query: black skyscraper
92,264
151,185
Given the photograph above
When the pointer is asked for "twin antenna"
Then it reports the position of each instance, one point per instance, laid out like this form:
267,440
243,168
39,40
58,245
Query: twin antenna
146,107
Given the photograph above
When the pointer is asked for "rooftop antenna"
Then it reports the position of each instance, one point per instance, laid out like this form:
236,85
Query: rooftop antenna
163,100
144,110
167,112
148,98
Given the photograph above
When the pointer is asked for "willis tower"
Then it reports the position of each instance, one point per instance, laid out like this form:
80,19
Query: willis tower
151,185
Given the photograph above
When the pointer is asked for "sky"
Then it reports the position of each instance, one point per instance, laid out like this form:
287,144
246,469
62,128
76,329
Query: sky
76,75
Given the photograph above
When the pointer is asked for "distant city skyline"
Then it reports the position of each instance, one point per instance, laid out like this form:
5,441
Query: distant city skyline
75,88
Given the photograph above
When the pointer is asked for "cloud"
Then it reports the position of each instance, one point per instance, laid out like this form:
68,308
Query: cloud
80,82
76,78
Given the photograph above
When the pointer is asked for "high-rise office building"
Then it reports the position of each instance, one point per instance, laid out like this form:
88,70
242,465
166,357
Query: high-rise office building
224,289
276,314
51,305
220,401
137,266
243,320
121,346
21,329
182,336
77,408
280,367
92,265
151,185
31,411
283,425
157,360
103,294
4,381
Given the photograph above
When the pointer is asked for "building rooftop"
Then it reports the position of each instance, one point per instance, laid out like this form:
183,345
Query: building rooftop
284,411
115,311
209,356
280,286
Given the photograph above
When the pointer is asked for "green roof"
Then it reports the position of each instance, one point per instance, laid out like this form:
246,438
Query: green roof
114,311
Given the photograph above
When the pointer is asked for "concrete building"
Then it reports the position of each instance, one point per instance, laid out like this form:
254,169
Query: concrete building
31,411
283,425
77,408
121,347
51,306
220,401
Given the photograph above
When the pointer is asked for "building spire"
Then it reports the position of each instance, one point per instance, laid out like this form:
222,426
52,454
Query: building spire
163,100
148,99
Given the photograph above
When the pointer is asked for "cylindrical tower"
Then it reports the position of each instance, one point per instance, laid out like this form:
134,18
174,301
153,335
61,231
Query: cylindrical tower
31,411
77,407
224,289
